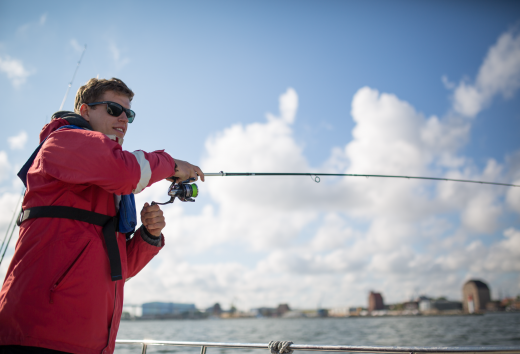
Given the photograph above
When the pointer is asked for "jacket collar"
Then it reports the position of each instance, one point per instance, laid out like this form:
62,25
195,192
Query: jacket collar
62,118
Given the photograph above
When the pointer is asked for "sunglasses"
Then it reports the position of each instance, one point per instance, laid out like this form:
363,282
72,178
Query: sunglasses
115,110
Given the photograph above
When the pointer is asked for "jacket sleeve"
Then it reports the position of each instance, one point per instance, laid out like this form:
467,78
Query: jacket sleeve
139,253
88,157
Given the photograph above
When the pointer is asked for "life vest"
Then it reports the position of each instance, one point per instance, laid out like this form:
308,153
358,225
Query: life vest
124,221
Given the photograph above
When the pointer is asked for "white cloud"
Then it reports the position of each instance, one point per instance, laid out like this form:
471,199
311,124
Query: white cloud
23,29
77,47
447,83
333,233
499,74
14,70
119,60
288,105
5,166
17,142
513,197
513,194
368,234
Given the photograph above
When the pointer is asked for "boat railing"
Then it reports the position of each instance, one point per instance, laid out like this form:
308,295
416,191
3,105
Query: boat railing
330,348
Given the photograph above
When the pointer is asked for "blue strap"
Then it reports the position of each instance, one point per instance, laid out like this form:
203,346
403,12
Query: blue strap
127,214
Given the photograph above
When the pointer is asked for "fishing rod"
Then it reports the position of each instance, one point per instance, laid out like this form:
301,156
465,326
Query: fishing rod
317,179
185,191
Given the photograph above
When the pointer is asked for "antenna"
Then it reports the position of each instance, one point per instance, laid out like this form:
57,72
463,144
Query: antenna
72,80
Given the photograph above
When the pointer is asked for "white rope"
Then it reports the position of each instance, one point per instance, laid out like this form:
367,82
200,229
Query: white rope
280,347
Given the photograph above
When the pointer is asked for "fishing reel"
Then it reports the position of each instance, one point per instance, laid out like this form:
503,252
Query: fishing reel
182,190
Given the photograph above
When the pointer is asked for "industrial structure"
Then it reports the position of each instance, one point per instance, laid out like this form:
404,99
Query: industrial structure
475,296
168,310
375,302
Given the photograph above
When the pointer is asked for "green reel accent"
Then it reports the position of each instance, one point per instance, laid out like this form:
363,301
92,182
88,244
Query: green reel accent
195,190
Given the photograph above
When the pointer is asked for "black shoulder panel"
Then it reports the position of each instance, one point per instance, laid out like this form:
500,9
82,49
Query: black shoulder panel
73,118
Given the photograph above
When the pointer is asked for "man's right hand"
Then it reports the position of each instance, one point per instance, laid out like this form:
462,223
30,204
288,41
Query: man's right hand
186,170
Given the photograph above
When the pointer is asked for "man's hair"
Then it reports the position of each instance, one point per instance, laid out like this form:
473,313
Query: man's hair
95,88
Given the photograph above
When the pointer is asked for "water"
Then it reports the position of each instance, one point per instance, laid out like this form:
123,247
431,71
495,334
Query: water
490,329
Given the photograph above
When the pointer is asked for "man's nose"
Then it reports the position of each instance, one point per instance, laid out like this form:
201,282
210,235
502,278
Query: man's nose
123,117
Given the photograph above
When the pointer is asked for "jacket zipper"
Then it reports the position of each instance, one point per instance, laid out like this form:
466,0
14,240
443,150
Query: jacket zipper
53,289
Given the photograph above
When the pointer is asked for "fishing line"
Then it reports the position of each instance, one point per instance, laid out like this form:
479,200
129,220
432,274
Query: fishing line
315,177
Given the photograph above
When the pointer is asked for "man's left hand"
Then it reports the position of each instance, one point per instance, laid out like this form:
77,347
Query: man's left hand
153,219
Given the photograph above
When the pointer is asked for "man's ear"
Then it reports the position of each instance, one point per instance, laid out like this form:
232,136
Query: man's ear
84,112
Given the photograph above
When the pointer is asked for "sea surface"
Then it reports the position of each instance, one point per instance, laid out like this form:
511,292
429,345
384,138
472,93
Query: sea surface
489,329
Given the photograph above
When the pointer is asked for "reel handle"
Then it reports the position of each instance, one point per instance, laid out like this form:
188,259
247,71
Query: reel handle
172,199
191,179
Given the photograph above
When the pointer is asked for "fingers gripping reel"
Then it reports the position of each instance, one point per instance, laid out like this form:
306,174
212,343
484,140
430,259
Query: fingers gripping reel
183,190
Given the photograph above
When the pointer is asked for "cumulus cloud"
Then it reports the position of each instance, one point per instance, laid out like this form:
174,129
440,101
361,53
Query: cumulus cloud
498,75
5,166
288,105
348,235
17,142
513,194
14,70
513,197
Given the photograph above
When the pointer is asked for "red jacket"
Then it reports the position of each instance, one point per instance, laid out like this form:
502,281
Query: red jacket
58,293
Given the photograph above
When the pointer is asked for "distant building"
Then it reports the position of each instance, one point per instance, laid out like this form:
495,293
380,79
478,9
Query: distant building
264,312
495,306
165,309
411,305
214,310
375,301
475,296
322,313
439,305
339,312
282,308
425,305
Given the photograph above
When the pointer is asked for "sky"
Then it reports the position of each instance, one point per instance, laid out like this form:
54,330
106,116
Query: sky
426,88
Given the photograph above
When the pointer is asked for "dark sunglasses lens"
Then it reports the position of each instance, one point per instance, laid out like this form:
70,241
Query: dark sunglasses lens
130,115
114,109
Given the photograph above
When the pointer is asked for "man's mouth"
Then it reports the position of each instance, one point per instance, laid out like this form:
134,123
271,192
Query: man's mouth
120,130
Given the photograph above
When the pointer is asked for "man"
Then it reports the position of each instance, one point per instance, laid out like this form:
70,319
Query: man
64,287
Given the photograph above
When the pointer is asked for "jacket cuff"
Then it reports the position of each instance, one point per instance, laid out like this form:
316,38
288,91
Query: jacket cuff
149,238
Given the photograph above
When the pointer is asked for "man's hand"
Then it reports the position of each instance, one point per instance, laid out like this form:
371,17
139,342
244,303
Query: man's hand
153,219
186,170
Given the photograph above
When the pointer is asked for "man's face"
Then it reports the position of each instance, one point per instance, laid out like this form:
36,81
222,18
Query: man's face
103,122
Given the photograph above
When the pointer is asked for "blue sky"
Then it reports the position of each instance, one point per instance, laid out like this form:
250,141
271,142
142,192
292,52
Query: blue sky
206,74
